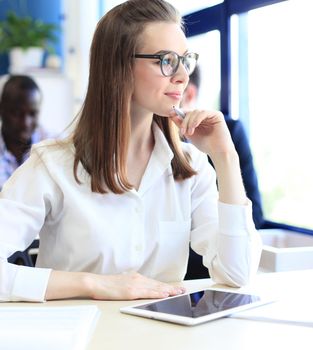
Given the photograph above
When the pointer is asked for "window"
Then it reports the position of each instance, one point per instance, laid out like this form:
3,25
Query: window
275,72
208,47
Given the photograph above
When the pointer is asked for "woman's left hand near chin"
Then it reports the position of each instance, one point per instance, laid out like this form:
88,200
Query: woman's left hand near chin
207,130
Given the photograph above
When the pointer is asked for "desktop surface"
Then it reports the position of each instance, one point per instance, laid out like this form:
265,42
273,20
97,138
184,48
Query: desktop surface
118,331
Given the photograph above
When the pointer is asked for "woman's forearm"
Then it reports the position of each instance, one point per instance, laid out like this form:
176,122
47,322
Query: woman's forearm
230,184
125,286
64,285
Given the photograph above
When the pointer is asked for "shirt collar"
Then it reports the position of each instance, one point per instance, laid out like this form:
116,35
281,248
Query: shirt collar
162,151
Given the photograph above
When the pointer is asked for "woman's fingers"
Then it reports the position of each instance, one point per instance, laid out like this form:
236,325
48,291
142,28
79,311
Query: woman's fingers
130,286
158,292
207,130
145,288
201,119
194,119
176,119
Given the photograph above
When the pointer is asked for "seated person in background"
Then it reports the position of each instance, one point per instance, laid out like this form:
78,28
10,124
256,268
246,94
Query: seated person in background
240,140
19,109
241,143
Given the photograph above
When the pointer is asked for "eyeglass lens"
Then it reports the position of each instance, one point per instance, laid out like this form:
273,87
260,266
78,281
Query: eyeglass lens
170,63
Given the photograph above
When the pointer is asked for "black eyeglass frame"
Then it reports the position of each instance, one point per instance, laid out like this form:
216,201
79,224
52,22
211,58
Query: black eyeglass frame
161,58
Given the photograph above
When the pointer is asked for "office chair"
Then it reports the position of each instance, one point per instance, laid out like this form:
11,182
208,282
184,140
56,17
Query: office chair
27,257
195,268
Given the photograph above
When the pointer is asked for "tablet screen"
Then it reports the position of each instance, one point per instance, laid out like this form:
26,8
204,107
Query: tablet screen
200,303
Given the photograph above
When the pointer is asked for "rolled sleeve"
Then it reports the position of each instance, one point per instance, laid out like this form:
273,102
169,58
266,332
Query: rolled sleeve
23,283
235,220
238,246
30,284
224,234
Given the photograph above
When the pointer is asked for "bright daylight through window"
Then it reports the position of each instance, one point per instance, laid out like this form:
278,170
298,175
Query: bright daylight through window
280,76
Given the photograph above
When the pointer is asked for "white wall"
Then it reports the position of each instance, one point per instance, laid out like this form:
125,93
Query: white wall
81,17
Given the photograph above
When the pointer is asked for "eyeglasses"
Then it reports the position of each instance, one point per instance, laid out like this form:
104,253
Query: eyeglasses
169,61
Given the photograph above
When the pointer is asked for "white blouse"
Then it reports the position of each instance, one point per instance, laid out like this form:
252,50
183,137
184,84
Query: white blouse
148,230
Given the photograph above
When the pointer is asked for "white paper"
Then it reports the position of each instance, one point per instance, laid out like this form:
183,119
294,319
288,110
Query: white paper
48,328
296,312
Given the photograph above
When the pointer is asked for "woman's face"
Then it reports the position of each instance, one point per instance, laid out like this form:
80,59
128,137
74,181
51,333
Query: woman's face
153,92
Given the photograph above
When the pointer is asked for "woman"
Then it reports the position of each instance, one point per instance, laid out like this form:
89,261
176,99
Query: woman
117,205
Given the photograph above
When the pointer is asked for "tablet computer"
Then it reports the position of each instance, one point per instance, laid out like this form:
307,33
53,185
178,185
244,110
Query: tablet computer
197,307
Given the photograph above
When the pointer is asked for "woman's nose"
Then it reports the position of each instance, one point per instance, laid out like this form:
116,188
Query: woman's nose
181,75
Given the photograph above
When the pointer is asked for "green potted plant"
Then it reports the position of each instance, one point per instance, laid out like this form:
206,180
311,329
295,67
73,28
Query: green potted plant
25,39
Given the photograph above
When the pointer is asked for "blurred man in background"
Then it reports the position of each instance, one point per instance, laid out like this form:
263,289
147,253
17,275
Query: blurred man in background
19,110
240,140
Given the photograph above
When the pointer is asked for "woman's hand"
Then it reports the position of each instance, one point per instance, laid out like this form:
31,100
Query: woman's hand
129,286
125,286
207,130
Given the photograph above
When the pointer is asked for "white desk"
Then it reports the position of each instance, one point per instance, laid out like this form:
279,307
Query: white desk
116,331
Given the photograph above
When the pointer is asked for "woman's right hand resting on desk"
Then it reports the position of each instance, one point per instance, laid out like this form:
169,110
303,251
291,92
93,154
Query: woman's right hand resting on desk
126,286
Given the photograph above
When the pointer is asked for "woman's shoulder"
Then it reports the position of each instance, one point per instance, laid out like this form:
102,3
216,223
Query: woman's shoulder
53,148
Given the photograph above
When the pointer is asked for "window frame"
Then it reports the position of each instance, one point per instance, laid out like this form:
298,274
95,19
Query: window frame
218,17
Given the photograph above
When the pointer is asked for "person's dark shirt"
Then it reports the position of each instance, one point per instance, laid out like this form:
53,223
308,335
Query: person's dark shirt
195,268
248,173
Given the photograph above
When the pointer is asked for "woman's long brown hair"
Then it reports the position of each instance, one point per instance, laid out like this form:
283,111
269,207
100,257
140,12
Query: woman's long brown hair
101,136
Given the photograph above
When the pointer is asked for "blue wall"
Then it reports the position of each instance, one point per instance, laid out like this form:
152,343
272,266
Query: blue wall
50,11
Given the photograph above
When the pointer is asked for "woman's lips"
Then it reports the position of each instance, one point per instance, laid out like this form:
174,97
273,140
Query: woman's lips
174,95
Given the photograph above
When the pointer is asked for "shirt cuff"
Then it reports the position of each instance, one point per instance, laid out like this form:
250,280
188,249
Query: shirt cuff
235,220
30,284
